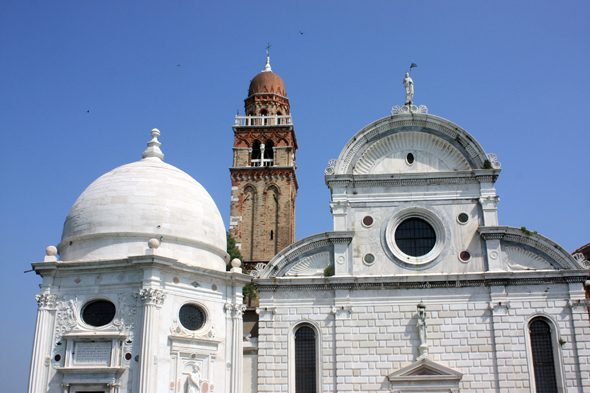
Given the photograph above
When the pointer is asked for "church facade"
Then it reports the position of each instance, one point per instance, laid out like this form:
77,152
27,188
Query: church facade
416,288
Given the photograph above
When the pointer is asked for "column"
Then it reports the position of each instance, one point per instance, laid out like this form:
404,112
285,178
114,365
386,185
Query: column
237,357
152,299
42,344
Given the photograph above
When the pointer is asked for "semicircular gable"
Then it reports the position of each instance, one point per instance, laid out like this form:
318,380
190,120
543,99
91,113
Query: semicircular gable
432,154
447,131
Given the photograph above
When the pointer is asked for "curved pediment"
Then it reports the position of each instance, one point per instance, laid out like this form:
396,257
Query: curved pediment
381,146
429,153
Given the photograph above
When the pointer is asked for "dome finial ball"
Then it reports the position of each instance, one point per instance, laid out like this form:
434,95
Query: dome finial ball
153,243
236,262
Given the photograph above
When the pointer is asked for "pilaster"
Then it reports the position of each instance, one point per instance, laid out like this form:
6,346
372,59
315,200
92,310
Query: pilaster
152,299
40,360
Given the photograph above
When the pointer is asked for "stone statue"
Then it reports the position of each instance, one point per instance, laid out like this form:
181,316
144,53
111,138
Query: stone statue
422,326
409,85
194,381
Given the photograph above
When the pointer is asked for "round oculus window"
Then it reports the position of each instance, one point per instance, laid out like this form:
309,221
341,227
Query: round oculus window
99,313
369,259
410,158
192,317
463,218
465,256
415,237
368,221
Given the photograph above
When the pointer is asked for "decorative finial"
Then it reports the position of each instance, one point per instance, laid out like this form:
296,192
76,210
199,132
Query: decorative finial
236,263
51,252
267,67
153,149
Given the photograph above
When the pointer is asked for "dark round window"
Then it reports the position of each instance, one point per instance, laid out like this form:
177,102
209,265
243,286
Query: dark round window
410,158
98,313
369,258
367,221
415,237
463,218
191,317
465,256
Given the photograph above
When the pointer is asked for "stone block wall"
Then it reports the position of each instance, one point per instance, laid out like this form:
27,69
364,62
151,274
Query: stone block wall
366,335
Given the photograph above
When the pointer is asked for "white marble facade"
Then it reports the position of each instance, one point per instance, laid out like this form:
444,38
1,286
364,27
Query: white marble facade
481,284
147,239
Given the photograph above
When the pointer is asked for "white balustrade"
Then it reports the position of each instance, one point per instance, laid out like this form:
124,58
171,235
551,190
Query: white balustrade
263,120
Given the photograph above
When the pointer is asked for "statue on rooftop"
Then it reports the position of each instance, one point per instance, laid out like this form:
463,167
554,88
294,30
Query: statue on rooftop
409,85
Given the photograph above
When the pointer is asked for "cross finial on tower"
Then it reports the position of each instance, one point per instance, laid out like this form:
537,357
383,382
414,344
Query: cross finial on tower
267,67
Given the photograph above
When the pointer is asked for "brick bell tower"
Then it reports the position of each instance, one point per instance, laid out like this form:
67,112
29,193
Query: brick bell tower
264,185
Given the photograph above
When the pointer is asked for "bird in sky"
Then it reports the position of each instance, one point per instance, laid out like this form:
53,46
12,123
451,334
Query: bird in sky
87,111
177,65
300,32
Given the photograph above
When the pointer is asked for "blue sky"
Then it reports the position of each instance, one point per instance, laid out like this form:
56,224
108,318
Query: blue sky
515,74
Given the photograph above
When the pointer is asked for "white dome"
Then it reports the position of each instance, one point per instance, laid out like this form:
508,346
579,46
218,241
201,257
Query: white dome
118,213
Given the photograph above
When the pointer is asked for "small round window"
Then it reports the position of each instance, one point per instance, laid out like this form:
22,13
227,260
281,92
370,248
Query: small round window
463,218
465,256
410,158
368,221
191,317
369,259
99,313
415,237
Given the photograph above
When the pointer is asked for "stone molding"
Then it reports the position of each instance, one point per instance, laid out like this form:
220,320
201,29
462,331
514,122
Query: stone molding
364,137
290,254
401,180
534,240
320,284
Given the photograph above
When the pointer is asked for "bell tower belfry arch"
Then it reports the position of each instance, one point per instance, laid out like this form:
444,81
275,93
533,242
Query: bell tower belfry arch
264,184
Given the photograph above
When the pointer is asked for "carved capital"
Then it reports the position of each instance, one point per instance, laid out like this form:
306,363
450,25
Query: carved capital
151,296
239,310
46,300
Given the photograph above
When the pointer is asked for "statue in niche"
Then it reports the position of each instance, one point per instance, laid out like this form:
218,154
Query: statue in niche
409,85
194,380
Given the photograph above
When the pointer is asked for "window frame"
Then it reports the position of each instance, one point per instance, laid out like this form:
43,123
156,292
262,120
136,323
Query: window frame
291,354
557,352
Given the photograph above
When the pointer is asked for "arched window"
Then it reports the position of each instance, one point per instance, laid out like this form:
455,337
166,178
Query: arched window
255,157
543,356
305,360
268,153
264,113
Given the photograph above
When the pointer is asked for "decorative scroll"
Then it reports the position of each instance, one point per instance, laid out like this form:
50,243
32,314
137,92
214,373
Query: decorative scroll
259,268
494,161
397,110
331,167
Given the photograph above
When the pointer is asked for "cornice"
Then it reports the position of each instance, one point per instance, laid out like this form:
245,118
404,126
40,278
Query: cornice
407,179
420,282
264,172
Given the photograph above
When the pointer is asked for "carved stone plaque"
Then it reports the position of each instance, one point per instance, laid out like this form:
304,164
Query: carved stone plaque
92,353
